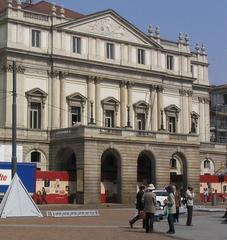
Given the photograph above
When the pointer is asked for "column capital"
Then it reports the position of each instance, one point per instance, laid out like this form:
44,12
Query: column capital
153,88
91,79
123,83
130,84
98,79
19,68
182,92
63,75
53,74
160,88
190,93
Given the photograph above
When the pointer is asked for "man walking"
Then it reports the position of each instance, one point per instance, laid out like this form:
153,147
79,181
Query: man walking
149,200
189,196
171,206
139,206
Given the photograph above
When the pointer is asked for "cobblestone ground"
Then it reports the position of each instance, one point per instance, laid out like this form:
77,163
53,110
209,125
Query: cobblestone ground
112,224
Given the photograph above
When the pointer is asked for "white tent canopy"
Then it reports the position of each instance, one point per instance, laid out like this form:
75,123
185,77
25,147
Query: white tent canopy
17,202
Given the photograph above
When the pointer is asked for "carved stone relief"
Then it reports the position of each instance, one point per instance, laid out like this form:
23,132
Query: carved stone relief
109,28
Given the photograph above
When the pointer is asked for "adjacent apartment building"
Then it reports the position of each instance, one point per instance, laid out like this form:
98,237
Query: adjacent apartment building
218,113
101,99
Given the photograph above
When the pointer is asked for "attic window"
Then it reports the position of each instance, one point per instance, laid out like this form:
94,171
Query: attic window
141,56
77,45
110,50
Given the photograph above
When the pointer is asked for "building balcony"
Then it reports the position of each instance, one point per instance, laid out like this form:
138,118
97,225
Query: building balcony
122,134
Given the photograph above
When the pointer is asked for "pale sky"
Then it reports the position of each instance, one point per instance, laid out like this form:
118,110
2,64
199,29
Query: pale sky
204,20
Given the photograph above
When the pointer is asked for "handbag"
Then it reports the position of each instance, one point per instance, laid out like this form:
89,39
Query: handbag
141,215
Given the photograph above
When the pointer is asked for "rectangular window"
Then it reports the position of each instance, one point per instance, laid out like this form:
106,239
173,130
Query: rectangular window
225,99
109,118
141,56
110,50
172,124
35,115
36,38
141,121
76,115
77,45
170,62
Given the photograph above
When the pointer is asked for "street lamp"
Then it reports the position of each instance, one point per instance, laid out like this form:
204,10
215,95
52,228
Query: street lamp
92,118
128,113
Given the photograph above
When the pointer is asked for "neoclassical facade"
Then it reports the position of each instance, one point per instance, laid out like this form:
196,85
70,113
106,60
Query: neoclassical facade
103,100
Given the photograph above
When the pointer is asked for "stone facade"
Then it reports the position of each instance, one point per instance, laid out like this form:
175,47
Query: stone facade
97,96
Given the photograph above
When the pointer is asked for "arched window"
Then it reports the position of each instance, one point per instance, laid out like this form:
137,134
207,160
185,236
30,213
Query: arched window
35,157
206,164
173,163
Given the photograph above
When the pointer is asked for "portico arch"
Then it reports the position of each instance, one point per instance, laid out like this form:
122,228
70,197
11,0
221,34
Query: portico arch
146,168
111,176
178,170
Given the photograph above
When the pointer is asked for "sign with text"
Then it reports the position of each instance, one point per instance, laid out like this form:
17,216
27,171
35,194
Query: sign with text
5,176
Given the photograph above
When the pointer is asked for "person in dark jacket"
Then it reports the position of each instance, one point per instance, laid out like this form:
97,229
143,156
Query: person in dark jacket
139,206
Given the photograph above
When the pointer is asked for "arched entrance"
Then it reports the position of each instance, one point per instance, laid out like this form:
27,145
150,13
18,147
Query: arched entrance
66,161
146,168
111,176
178,170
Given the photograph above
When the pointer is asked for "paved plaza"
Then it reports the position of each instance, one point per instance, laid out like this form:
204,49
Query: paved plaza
112,224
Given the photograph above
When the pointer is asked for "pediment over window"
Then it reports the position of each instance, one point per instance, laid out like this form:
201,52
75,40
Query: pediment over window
36,92
141,104
172,108
110,101
76,97
195,115
36,95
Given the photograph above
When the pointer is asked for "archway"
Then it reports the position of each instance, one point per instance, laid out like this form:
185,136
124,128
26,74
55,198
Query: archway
111,176
66,161
146,168
178,171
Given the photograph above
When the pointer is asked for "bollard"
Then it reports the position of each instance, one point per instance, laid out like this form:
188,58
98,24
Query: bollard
214,199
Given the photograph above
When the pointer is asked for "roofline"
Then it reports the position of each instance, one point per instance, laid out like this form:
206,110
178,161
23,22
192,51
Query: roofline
86,17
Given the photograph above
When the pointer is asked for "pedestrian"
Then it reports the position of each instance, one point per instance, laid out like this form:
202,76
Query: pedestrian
43,194
189,197
149,201
205,194
171,209
177,195
139,206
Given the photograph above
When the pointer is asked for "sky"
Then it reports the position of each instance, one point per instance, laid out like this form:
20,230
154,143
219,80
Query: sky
204,20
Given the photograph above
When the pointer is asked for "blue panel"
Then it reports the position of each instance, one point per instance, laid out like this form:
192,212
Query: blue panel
25,171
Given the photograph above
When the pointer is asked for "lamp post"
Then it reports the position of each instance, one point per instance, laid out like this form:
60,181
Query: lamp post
128,113
92,118
162,124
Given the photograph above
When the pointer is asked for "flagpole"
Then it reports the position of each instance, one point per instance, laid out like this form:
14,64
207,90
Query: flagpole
14,122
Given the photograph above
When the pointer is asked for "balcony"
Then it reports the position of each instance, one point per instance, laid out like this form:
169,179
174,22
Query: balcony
121,134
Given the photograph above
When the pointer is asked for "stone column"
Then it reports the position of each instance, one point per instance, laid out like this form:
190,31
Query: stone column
98,118
153,106
183,114
189,109
63,106
123,102
55,101
90,95
160,104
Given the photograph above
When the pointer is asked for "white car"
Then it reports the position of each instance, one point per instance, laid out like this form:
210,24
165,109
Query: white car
161,195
